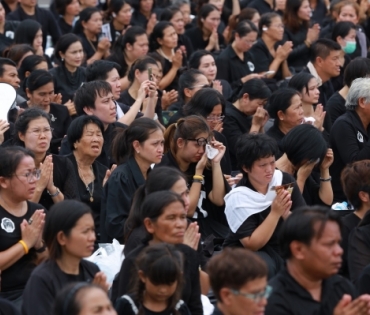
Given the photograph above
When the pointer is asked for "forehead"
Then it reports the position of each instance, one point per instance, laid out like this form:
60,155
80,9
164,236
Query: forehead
9,68
207,59
326,230
27,162
38,122
102,94
265,160
75,46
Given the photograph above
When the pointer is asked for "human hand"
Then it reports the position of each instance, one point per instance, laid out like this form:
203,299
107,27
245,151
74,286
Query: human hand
260,118
151,23
32,230
328,160
168,98
282,202
213,39
221,151
192,236
71,108
104,45
108,173
217,85
359,306
252,76
313,33
57,98
219,126
100,279
46,169
199,168
4,126
319,116
177,59
305,170
283,51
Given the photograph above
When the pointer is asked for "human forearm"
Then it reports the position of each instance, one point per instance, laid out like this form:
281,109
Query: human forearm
130,116
125,83
97,56
168,78
149,110
10,256
217,193
326,191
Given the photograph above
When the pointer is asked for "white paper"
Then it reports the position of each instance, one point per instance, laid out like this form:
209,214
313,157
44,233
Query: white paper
105,30
7,99
211,152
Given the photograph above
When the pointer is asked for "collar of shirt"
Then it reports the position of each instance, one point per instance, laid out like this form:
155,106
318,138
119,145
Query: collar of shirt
313,71
136,172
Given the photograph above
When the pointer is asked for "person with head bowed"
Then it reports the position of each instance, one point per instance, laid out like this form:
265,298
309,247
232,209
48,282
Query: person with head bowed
310,243
68,13
57,179
134,149
186,143
21,222
69,235
164,217
239,281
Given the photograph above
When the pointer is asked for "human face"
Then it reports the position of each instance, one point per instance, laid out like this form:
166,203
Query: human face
323,256
189,150
293,115
95,301
37,42
28,3
37,136
42,96
2,14
256,19
304,11
351,37
105,108
201,81
185,9
94,24
124,15
140,47
73,55
348,13
215,115
311,96
276,29
158,292
217,3
261,172
80,241
169,39
178,22
146,5
212,21
170,226
73,8
91,141
242,305
181,188
151,150
248,106
208,67
246,42
113,79
10,76
331,64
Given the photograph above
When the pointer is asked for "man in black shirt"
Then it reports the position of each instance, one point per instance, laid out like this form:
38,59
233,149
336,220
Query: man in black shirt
310,242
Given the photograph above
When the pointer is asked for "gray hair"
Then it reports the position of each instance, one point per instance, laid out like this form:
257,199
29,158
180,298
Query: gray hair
360,88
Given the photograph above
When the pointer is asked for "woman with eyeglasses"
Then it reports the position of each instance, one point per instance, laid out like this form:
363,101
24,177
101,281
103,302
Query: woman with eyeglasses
22,222
57,180
265,54
185,147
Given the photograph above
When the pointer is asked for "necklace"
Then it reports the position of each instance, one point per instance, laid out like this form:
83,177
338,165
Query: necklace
90,191
164,55
90,42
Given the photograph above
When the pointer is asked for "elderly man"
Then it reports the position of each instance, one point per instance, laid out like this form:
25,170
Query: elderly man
349,135
310,243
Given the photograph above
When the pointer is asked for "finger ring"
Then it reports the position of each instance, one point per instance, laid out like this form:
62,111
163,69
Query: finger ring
30,221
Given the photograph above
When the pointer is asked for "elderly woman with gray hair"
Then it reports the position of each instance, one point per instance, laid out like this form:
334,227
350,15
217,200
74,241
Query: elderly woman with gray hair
349,136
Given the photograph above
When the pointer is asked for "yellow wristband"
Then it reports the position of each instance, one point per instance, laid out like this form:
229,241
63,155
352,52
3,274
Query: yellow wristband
25,247
200,177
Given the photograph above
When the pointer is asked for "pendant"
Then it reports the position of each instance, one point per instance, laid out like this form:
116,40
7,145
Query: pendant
91,199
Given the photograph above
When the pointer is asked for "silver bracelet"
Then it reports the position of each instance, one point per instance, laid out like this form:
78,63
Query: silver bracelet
55,194
325,179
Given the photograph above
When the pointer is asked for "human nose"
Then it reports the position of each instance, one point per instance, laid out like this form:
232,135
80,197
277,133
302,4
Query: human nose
338,250
92,236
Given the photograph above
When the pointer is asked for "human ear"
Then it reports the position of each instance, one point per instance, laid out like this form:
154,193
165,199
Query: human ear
149,225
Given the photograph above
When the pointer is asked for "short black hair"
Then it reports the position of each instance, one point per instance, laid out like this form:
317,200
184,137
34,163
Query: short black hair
86,95
300,81
322,48
6,62
203,102
76,128
187,80
280,100
256,89
342,29
357,68
99,69
196,57
299,226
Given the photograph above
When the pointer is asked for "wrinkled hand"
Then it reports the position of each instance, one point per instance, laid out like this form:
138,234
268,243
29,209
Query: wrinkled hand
168,98
31,232
100,279
328,160
108,173
192,236
282,202
360,306
319,116
313,33
71,108
4,126
177,59
57,98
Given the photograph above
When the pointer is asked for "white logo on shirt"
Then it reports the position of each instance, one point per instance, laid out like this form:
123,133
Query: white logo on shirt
251,66
7,225
52,117
9,34
360,137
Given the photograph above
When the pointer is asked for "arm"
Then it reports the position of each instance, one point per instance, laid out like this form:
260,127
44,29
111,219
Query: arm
97,56
326,191
10,256
217,194
236,7
194,192
171,75
125,83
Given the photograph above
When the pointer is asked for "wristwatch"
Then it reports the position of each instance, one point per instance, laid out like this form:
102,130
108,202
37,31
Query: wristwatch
55,194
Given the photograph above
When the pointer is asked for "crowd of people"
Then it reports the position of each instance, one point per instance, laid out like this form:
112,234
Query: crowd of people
225,144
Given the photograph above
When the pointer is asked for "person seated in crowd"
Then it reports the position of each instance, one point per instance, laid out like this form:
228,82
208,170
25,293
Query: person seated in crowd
154,212
239,282
69,236
205,34
319,10
355,180
257,208
127,49
134,149
68,75
163,41
304,150
40,94
7,30
31,11
324,64
285,107
139,79
264,6
204,61
144,15
310,243
357,68
57,180
264,54
349,137
22,222
118,16
246,114
96,98
235,64
88,28
68,11
158,269
297,30
185,147
82,298
18,52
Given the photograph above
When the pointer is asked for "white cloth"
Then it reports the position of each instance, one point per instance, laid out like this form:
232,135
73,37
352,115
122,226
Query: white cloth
243,202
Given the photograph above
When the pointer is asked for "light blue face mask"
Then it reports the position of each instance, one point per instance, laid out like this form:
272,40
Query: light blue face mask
350,47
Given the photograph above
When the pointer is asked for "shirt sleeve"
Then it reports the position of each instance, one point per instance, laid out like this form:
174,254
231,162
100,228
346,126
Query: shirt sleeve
262,61
70,189
124,306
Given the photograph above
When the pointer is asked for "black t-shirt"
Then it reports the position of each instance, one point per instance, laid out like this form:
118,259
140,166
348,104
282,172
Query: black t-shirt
196,37
88,46
65,28
335,107
16,276
261,6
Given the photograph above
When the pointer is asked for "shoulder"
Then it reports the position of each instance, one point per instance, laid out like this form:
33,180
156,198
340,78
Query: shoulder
287,178
32,207
89,266
58,109
46,270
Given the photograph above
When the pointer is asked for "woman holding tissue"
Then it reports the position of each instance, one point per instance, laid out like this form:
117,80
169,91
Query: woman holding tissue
69,235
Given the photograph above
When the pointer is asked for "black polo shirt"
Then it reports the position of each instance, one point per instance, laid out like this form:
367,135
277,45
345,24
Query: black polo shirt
261,6
289,297
350,142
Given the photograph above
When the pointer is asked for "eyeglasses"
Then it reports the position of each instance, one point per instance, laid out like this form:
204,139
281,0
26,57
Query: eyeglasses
34,174
201,86
215,118
38,132
200,141
255,297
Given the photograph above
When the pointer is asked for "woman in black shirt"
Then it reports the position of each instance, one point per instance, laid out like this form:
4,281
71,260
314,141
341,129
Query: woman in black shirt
68,10
144,15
